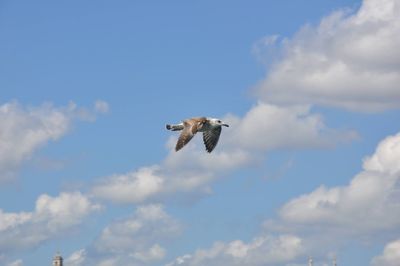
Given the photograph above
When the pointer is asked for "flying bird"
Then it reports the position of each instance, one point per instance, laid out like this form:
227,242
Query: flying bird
211,128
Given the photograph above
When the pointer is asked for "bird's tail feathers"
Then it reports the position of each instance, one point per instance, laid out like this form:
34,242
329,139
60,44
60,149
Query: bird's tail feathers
174,127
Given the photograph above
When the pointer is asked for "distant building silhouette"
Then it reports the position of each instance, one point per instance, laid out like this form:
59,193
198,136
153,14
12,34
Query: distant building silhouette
58,260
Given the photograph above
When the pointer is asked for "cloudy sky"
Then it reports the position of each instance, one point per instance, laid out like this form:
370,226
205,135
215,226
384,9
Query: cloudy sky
308,167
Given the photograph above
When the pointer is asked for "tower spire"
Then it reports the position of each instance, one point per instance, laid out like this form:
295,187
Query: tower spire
310,261
58,259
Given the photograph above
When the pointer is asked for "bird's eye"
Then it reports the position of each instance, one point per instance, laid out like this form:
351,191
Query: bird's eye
219,121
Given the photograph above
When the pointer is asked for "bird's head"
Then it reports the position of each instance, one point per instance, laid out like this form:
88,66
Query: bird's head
218,122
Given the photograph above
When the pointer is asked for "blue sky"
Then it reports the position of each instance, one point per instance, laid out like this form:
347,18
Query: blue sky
308,166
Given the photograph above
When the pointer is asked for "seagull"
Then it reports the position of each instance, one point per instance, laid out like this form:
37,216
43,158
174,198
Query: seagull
211,128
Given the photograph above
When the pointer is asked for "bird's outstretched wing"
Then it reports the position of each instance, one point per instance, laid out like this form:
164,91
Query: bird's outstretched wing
190,129
211,137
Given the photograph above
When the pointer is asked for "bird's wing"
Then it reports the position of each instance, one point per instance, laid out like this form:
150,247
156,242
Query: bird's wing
190,129
211,137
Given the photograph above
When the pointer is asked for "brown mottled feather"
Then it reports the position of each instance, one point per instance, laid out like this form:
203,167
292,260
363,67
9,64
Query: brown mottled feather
191,126
211,137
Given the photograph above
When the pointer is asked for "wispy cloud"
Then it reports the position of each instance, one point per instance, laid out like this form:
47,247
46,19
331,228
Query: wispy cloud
18,262
26,129
101,106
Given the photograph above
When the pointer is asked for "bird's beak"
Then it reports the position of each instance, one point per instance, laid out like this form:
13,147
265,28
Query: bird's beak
226,125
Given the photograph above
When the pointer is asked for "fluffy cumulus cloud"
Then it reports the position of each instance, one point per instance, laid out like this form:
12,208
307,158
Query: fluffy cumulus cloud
348,60
390,256
136,240
26,129
319,222
369,204
52,217
133,187
263,250
264,128
310,58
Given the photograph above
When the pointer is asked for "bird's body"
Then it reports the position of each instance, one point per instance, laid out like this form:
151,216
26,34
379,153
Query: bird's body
211,128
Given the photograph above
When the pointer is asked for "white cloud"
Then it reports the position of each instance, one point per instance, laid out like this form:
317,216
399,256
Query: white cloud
263,128
109,262
130,187
138,234
390,256
101,106
266,127
173,175
264,250
349,61
26,129
385,158
18,262
63,211
52,217
368,204
77,258
154,253
10,220
316,221
325,219
136,240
